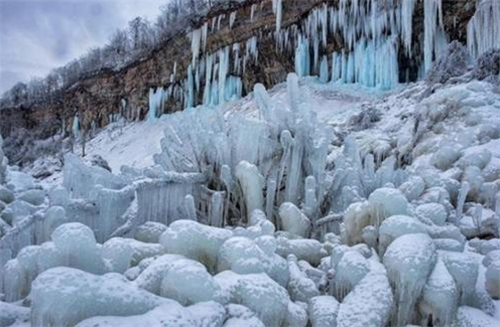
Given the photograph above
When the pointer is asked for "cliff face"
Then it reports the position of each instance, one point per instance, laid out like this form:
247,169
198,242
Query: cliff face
98,98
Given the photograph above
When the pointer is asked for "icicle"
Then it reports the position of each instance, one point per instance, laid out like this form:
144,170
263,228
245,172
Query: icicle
216,210
223,70
324,73
271,193
190,207
462,196
75,129
483,30
195,45
406,17
232,19
204,36
252,12
278,11
302,57
433,19
190,97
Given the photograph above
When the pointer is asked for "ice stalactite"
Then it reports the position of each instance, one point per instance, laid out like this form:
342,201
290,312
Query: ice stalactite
278,11
302,57
483,30
232,19
190,88
156,103
324,70
252,12
196,36
406,23
223,71
75,127
433,31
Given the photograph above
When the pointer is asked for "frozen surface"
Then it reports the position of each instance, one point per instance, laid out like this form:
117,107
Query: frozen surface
314,203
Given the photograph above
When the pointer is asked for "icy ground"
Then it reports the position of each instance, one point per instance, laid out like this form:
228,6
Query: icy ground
312,204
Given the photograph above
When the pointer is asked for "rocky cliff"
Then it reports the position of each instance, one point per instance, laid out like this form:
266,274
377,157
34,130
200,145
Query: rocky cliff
98,99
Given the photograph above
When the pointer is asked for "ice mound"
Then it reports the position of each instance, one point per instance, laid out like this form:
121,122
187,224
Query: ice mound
396,226
244,256
472,317
409,260
151,277
66,296
207,314
439,297
323,311
493,280
259,293
239,315
188,282
464,268
350,268
78,247
388,202
300,287
434,213
195,241
150,232
119,249
370,303
13,315
297,315
309,250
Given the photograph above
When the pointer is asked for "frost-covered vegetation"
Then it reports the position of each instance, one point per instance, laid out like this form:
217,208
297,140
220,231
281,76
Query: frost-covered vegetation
274,210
